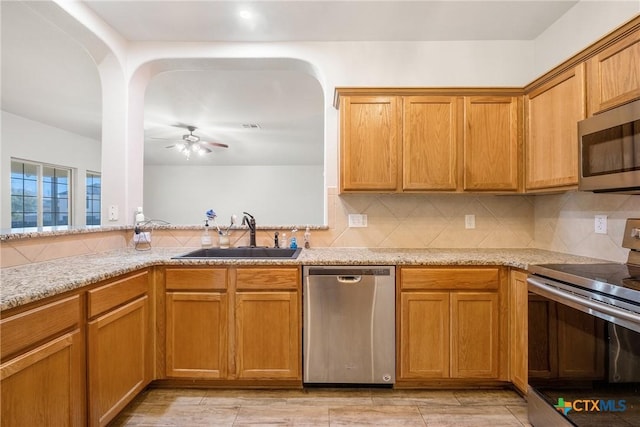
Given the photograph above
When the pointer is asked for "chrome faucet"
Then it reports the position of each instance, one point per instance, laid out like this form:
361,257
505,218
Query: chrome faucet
251,223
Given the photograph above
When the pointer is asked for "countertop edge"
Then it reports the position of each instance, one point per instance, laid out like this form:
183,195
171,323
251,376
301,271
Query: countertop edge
32,282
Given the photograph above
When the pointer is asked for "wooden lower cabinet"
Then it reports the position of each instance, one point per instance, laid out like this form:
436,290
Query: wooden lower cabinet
43,385
475,334
449,333
196,335
233,323
119,357
518,329
268,335
425,335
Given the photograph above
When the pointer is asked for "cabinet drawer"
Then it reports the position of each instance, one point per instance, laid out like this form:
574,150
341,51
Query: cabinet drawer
196,278
268,278
450,278
27,329
114,294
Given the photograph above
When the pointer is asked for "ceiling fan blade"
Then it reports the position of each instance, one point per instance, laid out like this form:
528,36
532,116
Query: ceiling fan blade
184,126
215,144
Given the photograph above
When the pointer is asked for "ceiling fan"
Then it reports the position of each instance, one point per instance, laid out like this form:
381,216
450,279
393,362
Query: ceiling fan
192,144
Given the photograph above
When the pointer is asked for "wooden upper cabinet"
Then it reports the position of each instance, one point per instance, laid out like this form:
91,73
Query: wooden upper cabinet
491,143
553,110
370,149
430,143
614,74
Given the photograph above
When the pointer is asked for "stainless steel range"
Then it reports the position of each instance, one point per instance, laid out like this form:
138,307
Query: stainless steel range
584,341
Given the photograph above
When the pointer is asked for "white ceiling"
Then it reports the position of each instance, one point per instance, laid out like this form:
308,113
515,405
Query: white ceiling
303,20
48,77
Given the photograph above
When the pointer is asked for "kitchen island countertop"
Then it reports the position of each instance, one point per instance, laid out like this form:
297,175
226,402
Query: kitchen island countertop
28,283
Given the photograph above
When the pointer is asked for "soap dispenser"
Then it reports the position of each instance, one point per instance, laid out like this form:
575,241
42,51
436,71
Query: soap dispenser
307,238
293,242
205,239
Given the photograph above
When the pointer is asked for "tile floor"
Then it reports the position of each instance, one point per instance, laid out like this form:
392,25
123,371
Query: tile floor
325,407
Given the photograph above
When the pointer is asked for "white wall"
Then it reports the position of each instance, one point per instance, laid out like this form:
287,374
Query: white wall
459,63
581,26
29,140
232,190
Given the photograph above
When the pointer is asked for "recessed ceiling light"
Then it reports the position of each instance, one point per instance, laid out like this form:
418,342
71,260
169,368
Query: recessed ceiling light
245,14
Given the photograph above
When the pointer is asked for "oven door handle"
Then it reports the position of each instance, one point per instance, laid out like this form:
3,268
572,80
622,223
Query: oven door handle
550,292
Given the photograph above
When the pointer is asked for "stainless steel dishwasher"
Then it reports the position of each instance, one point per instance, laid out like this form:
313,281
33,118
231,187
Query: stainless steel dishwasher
349,324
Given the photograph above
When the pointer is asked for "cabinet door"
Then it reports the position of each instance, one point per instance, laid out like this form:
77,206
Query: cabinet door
424,335
491,143
475,333
614,74
370,146
553,111
430,143
45,386
196,334
119,359
267,335
518,301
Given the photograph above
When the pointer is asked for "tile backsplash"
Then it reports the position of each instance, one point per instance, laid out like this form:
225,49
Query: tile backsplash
560,222
431,221
565,223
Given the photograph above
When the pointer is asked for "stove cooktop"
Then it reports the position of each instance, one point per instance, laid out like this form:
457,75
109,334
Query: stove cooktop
613,279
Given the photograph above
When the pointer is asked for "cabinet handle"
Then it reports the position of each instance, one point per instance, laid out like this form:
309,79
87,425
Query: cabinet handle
349,279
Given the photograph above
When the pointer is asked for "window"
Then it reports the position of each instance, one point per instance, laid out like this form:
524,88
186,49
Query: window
40,195
93,198
24,195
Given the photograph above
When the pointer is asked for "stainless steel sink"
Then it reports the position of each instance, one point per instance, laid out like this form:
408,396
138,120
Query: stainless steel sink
241,253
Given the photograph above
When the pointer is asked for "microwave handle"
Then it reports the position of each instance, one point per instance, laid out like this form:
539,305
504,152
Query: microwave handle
567,298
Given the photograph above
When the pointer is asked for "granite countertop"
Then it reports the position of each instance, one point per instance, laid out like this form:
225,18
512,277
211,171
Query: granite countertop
27,283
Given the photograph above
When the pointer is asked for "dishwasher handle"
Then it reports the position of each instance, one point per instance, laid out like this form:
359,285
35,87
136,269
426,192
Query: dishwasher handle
349,280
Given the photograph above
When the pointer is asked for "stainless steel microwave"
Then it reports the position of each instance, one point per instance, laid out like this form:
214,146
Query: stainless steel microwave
610,151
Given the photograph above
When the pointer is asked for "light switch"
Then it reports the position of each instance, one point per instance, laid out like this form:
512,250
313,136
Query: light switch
113,213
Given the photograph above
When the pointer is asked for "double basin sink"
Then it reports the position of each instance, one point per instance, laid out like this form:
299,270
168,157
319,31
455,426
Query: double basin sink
247,252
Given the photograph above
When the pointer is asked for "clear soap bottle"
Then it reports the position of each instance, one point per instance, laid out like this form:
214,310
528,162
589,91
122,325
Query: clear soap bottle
205,239
307,238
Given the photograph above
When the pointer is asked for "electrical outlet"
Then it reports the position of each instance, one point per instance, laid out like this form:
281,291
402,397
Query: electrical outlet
469,221
600,224
357,220
113,213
